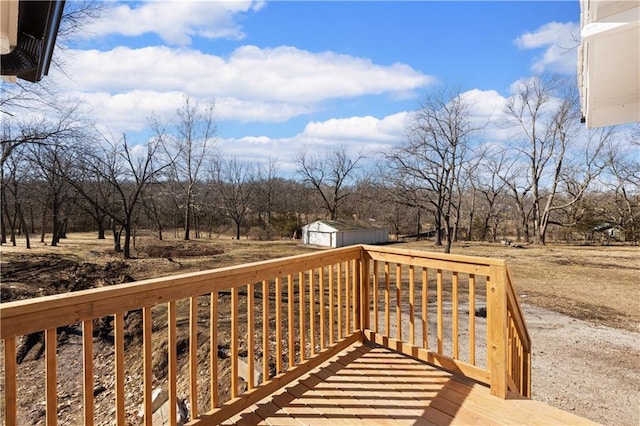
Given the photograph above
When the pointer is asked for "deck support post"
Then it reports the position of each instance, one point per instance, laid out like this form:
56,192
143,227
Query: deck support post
497,329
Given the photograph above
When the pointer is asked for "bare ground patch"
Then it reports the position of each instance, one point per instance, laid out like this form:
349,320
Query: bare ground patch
581,353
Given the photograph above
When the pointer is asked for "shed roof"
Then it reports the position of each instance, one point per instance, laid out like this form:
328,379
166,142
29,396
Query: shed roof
349,225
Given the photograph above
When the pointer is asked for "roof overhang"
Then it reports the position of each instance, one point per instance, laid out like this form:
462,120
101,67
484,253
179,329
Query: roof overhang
609,62
27,37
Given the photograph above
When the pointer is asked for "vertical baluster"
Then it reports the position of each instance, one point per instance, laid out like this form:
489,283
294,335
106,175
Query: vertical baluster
312,313
355,308
375,296
387,300
488,326
339,282
265,330
251,336
399,301
472,319
146,364
234,342
331,307
321,307
173,362
10,382
118,331
454,313
363,301
278,325
412,298
347,297
439,302
290,320
87,371
51,375
302,319
425,308
213,349
193,356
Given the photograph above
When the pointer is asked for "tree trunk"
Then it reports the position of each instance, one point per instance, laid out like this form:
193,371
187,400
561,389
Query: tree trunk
63,228
438,223
238,230
101,229
187,218
116,237
126,248
55,237
3,230
23,224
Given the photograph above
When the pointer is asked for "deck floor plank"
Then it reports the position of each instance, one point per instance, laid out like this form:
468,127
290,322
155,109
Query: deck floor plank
376,385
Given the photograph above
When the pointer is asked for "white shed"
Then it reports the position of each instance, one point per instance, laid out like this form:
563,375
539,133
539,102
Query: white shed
341,233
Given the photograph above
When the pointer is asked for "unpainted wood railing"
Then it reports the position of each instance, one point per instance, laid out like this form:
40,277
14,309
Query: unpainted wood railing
410,292
296,313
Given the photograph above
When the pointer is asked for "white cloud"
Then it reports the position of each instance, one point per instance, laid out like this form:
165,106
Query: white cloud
175,22
368,135
389,129
486,105
559,41
253,84
283,74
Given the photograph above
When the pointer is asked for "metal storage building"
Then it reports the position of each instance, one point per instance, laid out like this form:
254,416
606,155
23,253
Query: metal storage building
341,233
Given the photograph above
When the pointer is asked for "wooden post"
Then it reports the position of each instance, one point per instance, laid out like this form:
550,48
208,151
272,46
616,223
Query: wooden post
146,362
213,349
234,343
10,382
87,371
497,330
472,319
118,331
251,335
302,317
173,360
193,355
278,325
364,291
265,330
51,383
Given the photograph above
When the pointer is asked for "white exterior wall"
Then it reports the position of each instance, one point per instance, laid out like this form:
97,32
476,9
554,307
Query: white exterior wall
363,236
319,233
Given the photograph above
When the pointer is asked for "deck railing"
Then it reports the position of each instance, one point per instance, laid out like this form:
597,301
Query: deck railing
289,315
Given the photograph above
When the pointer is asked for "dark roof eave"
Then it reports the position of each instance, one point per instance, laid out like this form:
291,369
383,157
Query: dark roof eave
38,25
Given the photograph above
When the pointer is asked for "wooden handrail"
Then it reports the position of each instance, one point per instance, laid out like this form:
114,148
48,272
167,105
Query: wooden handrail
33,315
342,295
508,362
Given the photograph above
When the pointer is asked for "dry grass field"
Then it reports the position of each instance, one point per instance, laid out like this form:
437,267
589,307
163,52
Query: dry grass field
597,288
600,284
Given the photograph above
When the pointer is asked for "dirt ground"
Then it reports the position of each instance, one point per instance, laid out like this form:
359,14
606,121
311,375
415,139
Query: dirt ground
582,306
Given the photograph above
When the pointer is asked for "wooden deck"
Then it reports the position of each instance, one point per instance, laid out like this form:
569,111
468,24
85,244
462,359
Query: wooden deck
376,385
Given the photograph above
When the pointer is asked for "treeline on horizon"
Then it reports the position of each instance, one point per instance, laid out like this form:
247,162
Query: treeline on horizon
552,179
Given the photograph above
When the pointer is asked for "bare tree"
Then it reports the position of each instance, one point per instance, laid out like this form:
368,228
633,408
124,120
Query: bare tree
267,183
426,166
330,176
546,114
128,170
189,146
235,184
623,179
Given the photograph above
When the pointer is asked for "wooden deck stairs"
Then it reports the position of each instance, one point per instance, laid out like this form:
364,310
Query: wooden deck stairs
357,335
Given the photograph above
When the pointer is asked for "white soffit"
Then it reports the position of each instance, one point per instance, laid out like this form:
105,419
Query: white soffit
609,62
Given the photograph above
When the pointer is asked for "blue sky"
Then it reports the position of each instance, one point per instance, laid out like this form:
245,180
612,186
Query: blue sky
287,75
